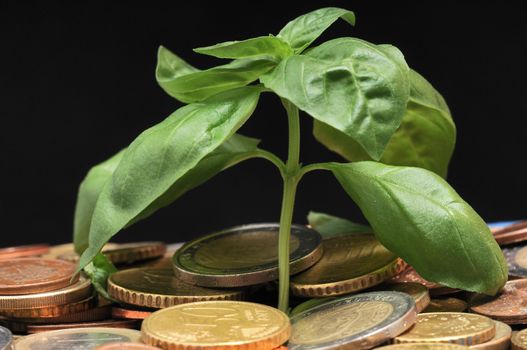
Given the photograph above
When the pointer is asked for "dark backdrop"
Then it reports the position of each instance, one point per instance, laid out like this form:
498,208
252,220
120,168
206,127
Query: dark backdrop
77,84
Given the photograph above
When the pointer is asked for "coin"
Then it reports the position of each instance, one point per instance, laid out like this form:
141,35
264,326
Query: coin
349,263
449,327
34,275
519,340
67,252
23,251
119,312
81,289
410,275
508,306
424,346
233,325
514,233
501,340
446,305
306,305
417,291
244,255
127,346
39,328
6,339
129,253
79,338
360,321
52,310
97,313
158,288
516,260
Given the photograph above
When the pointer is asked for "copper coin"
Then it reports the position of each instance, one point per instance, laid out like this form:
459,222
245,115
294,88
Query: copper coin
38,328
119,312
509,306
127,346
98,313
446,305
23,251
51,311
410,275
34,275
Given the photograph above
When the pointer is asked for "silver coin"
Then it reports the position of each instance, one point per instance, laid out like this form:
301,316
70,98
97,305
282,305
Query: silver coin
360,321
77,339
6,339
516,260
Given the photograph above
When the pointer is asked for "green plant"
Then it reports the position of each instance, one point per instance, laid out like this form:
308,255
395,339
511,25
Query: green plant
368,106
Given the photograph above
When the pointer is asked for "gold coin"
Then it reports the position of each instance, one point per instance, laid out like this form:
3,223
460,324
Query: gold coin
159,288
449,327
417,291
129,253
501,340
217,325
78,338
519,340
52,310
349,263
424,346
447,305
360,321
75,292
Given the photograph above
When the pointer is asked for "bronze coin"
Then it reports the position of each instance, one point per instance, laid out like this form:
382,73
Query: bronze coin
119,312
99,313
410,275
38,328
23,251
508,306
446,305
514,233
127,346
51,311
34,275
129,253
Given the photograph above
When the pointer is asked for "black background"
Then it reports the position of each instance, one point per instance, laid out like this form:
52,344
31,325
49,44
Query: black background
77,84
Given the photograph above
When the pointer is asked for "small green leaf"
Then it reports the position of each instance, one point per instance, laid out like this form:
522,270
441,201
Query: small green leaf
162,155
354,86
331,226
188,84
418,216
303,30
89,191
263,47
425,139
98,271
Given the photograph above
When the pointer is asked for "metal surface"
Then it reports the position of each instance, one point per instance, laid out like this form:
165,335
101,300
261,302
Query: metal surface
447,305
6,339
501,340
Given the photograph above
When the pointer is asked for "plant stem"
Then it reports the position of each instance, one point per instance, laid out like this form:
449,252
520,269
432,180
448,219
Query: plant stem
292,169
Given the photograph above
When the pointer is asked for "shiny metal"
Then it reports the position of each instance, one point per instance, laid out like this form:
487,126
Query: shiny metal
6,339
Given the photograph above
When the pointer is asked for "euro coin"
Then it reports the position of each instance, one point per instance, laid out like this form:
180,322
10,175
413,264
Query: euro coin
447,305
501,340
516,260
6,339
24,251
417,291
519,340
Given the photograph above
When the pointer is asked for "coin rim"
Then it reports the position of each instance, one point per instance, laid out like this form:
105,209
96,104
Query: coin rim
9,343
499,343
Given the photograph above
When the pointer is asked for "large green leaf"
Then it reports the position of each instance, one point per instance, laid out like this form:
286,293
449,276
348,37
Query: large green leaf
425,139
303,30
87,196
331,226
354,86
263,47
188,84
418,216
162,155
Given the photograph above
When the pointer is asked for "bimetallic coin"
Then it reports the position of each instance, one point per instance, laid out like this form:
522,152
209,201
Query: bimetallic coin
159,288
244,255
360,321
424,346
79,338
417,291
447,305
23,251
449,327
6,339
349,263
80,290
508,306
501,340
216,325
516,260
519,340
34,275
39,328
127,346
119,312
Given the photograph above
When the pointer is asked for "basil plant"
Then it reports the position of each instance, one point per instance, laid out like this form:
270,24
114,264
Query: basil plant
392,127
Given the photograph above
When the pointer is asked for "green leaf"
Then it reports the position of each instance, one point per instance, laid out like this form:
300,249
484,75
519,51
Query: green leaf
303,30
188,84
98,271
263,47
331,226
162,155
425,139
352,85
418,216
89,191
